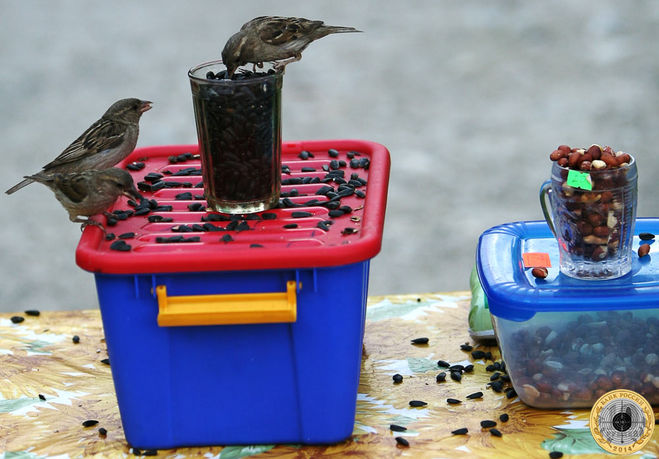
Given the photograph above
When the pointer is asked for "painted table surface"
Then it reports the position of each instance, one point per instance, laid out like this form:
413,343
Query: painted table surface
38,357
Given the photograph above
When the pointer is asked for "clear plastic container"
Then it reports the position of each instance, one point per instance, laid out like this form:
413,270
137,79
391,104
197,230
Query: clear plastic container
566,341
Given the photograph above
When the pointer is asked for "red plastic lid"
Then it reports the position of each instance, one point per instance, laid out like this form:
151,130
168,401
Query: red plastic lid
286,237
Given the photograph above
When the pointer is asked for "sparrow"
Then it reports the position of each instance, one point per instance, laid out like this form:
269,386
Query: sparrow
102,145
274,38
89,192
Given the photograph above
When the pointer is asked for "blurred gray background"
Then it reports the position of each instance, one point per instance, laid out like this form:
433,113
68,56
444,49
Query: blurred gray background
469,97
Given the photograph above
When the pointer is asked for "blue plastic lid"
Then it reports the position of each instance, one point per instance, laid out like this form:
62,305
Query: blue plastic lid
515,294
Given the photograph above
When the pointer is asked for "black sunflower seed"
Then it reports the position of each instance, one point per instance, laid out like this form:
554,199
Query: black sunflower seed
110,221
453,401
152,177
226,238
335,213
324,225
75,339
158,186
348,230
109,236
441,377
89,423
443,364
17,319
290,225
402,442
646,236
304,154
420,341
301,214
457,367
456,376
120,245
489,367
478,354
268,216
417,403
32,312
466,347
255,246
475,395
495,432
511,393
469,368
497,386
333,153
106,361
42,397
488,423
129,235
495,376
150,452
462,431
488,355
196,207
187,196
334,164
142,211
135,166
102,431
556,454
504,417
360,194
397,428
163,208
397,378
308,169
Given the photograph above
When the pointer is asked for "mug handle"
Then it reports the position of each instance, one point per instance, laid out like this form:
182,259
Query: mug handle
545,195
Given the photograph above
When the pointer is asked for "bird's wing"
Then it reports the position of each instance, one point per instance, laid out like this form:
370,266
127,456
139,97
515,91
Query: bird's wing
278,31
74,187
101,136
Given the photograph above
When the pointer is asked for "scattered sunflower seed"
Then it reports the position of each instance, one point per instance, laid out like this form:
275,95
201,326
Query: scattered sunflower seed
397,428
17,319
150,452
226,238
646,236
106,361
511,393
268,216
301,214
475,395
417,403
102,431
478,354
456,376
488,423
397,378
495,432
469,368
443,364
420,341
109,236
135,166
120,245
466,347
127,235
75,339
402,442
290,225
441,377
42,397
504,417
556,454
89,423
453,401
462,431
333,153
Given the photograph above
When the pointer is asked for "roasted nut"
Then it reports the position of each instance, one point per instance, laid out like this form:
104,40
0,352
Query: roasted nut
539,272
643,250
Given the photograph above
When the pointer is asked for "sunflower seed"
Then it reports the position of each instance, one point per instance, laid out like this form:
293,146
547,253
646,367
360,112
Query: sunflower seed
106,361
268,216
324,225
109,236
441,377
135,166
495,432
42,397
333,153
402,442
443,364
478,354
290,225
456,376
646,236
301,214
129,235
102,431
120,245
453,401
420,341
511,393
75,339
488,423
32,312
187,196
304,154
335,213
462,431
397,378
504,417
17,319
397,428
556,454
475,395
469,368
417,403
466,347
89,423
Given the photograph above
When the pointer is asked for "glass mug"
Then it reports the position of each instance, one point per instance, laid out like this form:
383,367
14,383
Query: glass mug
592,215
239,132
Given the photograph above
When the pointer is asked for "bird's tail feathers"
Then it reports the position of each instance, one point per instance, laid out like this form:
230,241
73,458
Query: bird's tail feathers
20,185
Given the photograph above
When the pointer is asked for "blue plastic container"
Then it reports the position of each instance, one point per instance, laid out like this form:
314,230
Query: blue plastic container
252,339
567,341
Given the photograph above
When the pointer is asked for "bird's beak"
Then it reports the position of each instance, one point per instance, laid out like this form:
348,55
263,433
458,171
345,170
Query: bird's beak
133,193
146,106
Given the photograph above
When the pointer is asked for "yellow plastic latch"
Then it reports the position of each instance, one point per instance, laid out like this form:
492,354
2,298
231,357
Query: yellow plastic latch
224,309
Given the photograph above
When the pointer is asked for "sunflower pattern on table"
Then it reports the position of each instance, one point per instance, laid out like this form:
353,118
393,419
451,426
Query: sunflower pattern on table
50,385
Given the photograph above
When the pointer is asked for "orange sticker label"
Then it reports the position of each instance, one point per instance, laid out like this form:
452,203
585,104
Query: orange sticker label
536,260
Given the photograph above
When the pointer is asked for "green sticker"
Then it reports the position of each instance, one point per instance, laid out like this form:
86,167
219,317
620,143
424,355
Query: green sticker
578,179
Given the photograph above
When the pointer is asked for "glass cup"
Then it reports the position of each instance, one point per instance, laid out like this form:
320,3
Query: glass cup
592,216
239,133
